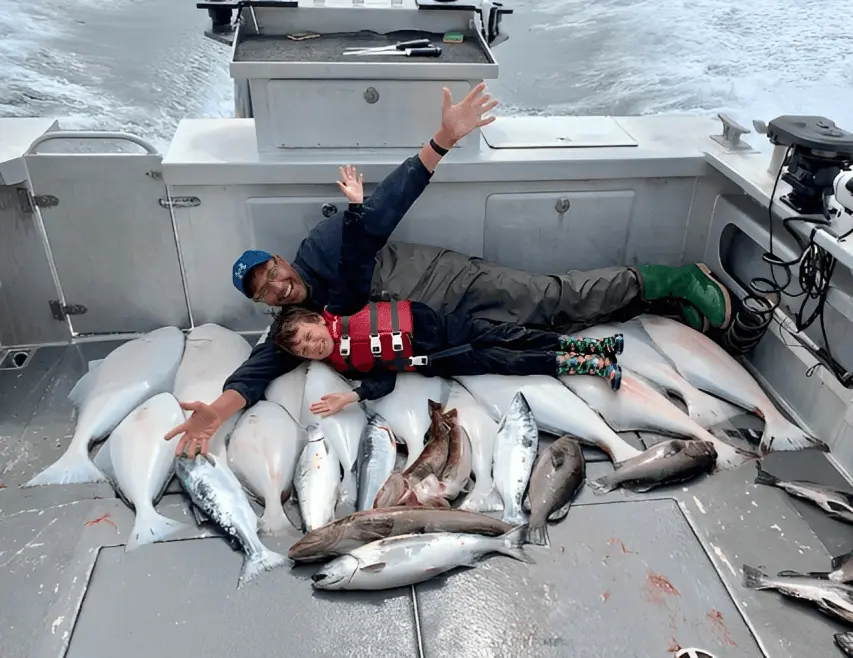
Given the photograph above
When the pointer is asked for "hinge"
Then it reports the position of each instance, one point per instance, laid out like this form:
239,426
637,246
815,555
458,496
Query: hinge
156,175
180,202
29,202
60,311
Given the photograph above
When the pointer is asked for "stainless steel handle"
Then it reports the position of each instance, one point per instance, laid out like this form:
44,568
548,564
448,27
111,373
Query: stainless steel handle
86,134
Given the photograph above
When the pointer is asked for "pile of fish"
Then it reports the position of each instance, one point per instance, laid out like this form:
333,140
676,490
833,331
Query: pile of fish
398,490
830,592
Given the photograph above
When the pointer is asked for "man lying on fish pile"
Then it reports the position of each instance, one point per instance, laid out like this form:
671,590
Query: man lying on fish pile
372,341
564,302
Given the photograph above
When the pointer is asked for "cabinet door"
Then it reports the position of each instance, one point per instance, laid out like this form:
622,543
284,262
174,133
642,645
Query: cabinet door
558,231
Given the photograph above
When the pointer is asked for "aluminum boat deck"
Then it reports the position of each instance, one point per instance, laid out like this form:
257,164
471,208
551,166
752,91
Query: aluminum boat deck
626,575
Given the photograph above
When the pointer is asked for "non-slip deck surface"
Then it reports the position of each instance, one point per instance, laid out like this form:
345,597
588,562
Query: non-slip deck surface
626,575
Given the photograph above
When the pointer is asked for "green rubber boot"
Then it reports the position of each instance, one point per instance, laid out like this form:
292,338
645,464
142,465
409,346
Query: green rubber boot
704,301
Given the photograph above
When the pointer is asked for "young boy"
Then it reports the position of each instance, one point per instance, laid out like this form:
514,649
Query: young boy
373,340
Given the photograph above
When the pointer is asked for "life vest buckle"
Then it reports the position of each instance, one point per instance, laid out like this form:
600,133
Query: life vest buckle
345,344
419,360
397,341
375,344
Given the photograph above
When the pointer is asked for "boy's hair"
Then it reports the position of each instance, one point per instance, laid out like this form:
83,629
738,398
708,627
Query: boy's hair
285,324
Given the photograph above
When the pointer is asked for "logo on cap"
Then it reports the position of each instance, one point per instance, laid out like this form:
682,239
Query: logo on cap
240,271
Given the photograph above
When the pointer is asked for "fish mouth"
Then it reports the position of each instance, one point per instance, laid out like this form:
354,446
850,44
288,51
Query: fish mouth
322,580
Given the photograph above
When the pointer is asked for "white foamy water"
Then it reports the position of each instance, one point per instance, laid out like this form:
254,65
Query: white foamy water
142,65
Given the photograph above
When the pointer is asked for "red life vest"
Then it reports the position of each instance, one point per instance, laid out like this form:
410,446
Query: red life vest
381,330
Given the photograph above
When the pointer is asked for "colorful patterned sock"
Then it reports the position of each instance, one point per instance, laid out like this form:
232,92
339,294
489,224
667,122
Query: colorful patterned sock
609,346
584,364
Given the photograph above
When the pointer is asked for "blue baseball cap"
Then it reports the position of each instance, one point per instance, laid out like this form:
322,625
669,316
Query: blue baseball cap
242,270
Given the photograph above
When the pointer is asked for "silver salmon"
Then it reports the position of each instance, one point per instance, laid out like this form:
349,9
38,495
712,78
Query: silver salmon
516,445
377,455
836,503
409,559
215,490
667,462
350,532
830,598
557,476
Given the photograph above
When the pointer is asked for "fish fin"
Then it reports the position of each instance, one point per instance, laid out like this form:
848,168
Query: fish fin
293,514
347,494
513,543
373,529
81,389
602,485
150,527
159,495
754,578
104,463
273,521
526,504
516,519
845,642
480,501
837,610
198,514
71,468
373,568
640,487
790,573
558,458
763,477
255,565
559,514
780,434
838,560
538,535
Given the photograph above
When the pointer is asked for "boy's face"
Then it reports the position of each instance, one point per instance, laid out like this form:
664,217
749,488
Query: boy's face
313,341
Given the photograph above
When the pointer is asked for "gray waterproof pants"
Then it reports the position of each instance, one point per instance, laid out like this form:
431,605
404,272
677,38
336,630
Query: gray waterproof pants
448,281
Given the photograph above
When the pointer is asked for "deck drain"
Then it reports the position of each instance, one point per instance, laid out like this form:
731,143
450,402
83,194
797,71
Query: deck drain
15,359
694,653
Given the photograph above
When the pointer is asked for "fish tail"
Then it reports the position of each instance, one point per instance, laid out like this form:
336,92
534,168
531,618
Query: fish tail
780,434
254,565
150,527
603,485
71,468
728,456
763,477
514,519
838,560
483,500
273,521
845,642
754,578
512,544
538,534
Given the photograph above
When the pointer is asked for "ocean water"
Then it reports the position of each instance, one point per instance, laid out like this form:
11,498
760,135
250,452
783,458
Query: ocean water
142,65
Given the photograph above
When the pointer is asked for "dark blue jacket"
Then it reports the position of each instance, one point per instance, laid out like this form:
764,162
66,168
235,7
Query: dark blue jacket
318,263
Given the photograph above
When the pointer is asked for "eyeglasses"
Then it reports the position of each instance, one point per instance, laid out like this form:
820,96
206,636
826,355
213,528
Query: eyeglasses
271,275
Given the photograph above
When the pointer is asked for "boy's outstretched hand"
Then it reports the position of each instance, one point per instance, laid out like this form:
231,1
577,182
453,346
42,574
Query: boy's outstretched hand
352,184
332,403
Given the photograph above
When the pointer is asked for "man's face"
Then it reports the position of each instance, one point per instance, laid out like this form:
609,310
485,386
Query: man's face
312,341
276,283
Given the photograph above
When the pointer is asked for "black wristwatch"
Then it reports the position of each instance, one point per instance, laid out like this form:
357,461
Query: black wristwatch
438,149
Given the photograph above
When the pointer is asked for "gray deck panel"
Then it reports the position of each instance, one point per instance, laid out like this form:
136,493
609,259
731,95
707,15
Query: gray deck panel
602,589
47,552
179,599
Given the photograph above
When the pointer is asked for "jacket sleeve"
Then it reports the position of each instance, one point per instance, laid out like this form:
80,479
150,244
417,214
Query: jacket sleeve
265,363
392,198
377,384
351,292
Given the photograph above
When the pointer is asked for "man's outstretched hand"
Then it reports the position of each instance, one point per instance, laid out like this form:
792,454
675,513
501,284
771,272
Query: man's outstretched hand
197,429
457,120
352,184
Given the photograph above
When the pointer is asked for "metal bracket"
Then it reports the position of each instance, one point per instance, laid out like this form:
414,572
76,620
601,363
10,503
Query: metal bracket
29,202
180,202
61,311
732,132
